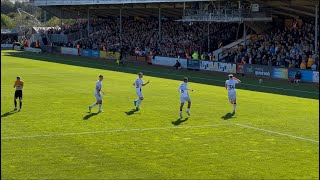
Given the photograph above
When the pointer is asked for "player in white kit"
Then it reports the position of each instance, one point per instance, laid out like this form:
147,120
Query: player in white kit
231,87
97,94
184,95
138,84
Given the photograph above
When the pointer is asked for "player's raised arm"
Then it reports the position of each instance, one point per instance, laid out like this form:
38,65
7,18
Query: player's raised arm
237,79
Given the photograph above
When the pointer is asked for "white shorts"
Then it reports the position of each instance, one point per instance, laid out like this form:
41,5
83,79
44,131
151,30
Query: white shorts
139,93
98,98
232,95
184,99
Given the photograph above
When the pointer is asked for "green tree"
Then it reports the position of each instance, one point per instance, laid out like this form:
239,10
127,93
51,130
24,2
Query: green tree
12,14
54,21
7,7
7,22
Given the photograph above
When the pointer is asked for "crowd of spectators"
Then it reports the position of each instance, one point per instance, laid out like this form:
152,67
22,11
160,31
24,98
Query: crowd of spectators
6,41
291,46
142,36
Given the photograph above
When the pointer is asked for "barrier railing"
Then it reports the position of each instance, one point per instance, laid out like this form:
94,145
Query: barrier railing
261,71
253,37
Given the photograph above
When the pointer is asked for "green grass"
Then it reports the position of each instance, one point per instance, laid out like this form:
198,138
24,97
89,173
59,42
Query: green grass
152,143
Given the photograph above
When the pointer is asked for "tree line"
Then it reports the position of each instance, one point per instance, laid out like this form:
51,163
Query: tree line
11,19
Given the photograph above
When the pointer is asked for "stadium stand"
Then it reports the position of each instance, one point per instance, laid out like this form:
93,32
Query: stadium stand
142,36
285,47
274,44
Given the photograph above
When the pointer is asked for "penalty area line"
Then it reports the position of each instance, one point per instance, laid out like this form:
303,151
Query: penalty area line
279,133
112,131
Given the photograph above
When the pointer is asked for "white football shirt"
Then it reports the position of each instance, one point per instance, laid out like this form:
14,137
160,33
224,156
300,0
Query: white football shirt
98,87
183,89
231,84
138,83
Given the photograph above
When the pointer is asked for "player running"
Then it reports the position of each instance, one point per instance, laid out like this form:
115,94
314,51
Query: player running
18,84
138,84
97,94
184,95
231,87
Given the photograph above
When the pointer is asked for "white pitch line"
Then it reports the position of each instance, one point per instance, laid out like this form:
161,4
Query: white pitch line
279,133
111,131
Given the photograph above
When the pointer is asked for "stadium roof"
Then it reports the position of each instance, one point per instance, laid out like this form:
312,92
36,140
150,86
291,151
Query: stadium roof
171,8
291,8
96,2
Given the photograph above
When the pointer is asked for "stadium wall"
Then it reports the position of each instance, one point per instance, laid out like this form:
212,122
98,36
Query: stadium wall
6,46
255,70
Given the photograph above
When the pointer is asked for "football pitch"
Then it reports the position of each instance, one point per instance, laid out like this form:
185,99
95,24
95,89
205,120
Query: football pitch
273,135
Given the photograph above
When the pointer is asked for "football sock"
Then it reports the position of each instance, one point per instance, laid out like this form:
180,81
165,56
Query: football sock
100,105
20,104
15,103
93,105
188,109
234,106
138,102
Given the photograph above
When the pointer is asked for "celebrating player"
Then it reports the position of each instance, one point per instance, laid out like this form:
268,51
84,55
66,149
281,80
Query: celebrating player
97,94
18,84
184,95
231,87
138,84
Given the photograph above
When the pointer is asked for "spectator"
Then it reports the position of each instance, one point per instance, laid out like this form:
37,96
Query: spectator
303,65
26,43
177,66
210,56
297,77
310,61
37,44
188,56
195,56
203,56
250,59
314,66
78,48
243,61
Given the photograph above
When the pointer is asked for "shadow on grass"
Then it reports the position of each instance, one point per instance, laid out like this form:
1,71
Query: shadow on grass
129,113
228,116
179,121
205,77
8,113
89,116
